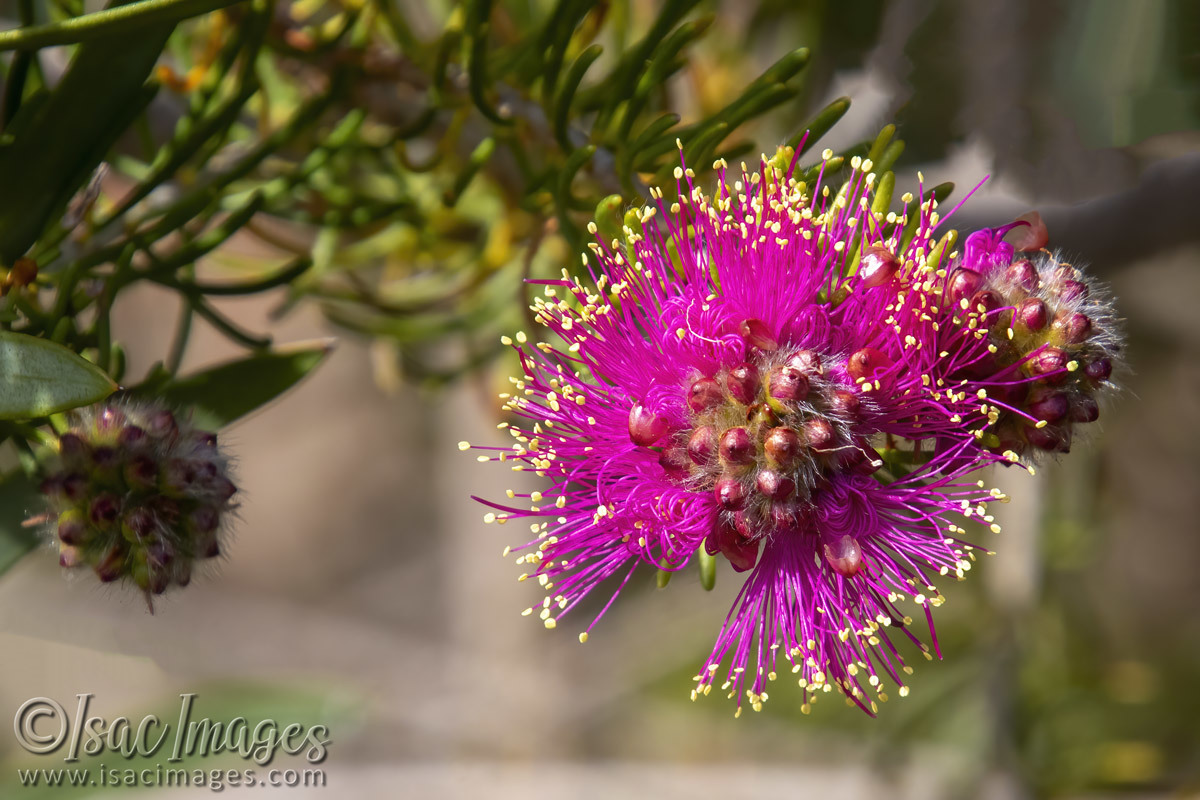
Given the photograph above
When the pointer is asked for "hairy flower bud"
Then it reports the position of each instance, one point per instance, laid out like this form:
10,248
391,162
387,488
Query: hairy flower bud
136,495
743,383
705,394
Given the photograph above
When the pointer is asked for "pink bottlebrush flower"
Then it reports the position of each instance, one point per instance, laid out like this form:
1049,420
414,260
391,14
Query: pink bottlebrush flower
756,375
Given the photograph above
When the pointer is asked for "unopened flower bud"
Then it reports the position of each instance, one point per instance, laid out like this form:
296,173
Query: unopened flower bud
756,334
1085,409
782,447
1050,437
646,426
736,446
843,555
788,385
866,362
877,266
1073,328
130,437
111,564
1022,273
702,445
1048,404
729,493
161,424
104,509
1099,369
72,527
845,404
742,553
819,433
676,462
743,383
1050,363
141,471
1031,314
985,302
964,283
1070,291
704,394
774,484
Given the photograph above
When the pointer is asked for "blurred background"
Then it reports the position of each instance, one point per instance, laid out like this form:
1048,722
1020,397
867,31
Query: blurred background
362,590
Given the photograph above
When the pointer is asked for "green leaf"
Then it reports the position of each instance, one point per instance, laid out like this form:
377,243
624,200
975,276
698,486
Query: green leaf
229,391
39,378
19,498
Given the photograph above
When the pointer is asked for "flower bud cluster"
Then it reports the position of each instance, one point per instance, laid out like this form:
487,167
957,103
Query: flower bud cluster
137,494
1052,340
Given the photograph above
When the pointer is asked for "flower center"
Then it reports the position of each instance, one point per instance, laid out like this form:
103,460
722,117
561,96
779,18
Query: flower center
762,435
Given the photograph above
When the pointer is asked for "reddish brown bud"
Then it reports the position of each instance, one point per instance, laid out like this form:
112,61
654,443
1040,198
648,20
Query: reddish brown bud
705,394
964,283
1050,363
773,484
1031,314
986,302
141,472
645,426
1049,437
162,425
702,445
742,553
131,436
111,565
844,555
729,493
756,334
1085,409
1048,404
1071,290
1099,369
72,529
736,446
177,476
877,266
866,362
782,446
104,509
788,385
1022,273
743,383
845,404
1074,328
139,524
203,519
819,433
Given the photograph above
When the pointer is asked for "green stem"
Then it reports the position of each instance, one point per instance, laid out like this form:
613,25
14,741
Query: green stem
107,23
